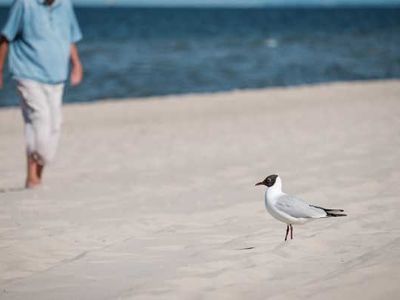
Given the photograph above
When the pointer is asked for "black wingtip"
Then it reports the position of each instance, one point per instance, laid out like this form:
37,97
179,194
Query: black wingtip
329,214
328,209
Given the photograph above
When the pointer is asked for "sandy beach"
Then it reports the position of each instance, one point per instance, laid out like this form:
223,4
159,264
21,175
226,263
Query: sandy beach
155,198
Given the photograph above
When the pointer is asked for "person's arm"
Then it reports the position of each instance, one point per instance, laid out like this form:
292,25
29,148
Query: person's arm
10,32
3,56
76,66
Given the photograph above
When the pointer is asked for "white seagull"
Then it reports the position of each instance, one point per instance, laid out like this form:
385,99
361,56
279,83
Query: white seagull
292,210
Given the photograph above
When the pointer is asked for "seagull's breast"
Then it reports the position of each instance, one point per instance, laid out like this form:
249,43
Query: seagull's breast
276,214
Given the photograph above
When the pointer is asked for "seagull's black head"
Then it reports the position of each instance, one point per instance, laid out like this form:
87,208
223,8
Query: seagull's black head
269,181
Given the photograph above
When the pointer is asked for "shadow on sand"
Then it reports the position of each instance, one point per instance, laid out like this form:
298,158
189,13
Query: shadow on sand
12,190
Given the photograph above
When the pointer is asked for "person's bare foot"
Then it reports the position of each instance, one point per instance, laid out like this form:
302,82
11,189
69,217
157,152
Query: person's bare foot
34,171
39,171
32,183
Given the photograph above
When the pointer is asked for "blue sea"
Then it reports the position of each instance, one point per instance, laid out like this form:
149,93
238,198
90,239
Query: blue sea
142,52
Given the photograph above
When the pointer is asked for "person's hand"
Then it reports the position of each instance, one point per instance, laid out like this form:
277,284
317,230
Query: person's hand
76,74
3,55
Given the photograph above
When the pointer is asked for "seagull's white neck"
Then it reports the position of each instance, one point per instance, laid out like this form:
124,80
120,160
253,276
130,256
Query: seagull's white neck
276,189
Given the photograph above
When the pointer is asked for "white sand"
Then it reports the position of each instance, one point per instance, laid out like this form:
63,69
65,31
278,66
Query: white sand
154,199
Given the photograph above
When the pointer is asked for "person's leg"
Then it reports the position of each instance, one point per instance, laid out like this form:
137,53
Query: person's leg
39,171
32,179
37,127
55,95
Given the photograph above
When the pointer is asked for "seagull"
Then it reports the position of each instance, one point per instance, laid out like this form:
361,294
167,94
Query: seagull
291,210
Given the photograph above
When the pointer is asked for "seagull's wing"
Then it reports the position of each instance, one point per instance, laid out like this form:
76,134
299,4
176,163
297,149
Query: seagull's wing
297,208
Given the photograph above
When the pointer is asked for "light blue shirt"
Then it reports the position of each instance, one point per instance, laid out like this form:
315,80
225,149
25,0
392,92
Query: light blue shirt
40,39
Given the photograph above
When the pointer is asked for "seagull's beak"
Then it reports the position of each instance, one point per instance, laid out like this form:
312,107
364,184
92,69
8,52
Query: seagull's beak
260,183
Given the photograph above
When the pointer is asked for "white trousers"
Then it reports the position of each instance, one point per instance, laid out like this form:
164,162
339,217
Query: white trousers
41,110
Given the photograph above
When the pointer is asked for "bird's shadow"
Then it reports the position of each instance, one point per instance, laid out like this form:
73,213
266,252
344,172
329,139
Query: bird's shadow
246,248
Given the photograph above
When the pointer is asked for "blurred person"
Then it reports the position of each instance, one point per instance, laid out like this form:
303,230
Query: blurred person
41,37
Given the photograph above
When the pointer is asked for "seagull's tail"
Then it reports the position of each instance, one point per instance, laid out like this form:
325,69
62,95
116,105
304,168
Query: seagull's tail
332,212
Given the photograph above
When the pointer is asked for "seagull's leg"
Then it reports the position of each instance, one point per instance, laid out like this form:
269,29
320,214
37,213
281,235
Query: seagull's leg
291,232
287,232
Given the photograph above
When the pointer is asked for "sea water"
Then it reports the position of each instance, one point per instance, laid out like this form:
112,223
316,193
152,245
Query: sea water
142,52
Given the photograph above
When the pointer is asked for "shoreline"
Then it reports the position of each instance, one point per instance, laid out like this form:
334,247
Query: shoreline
207,94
